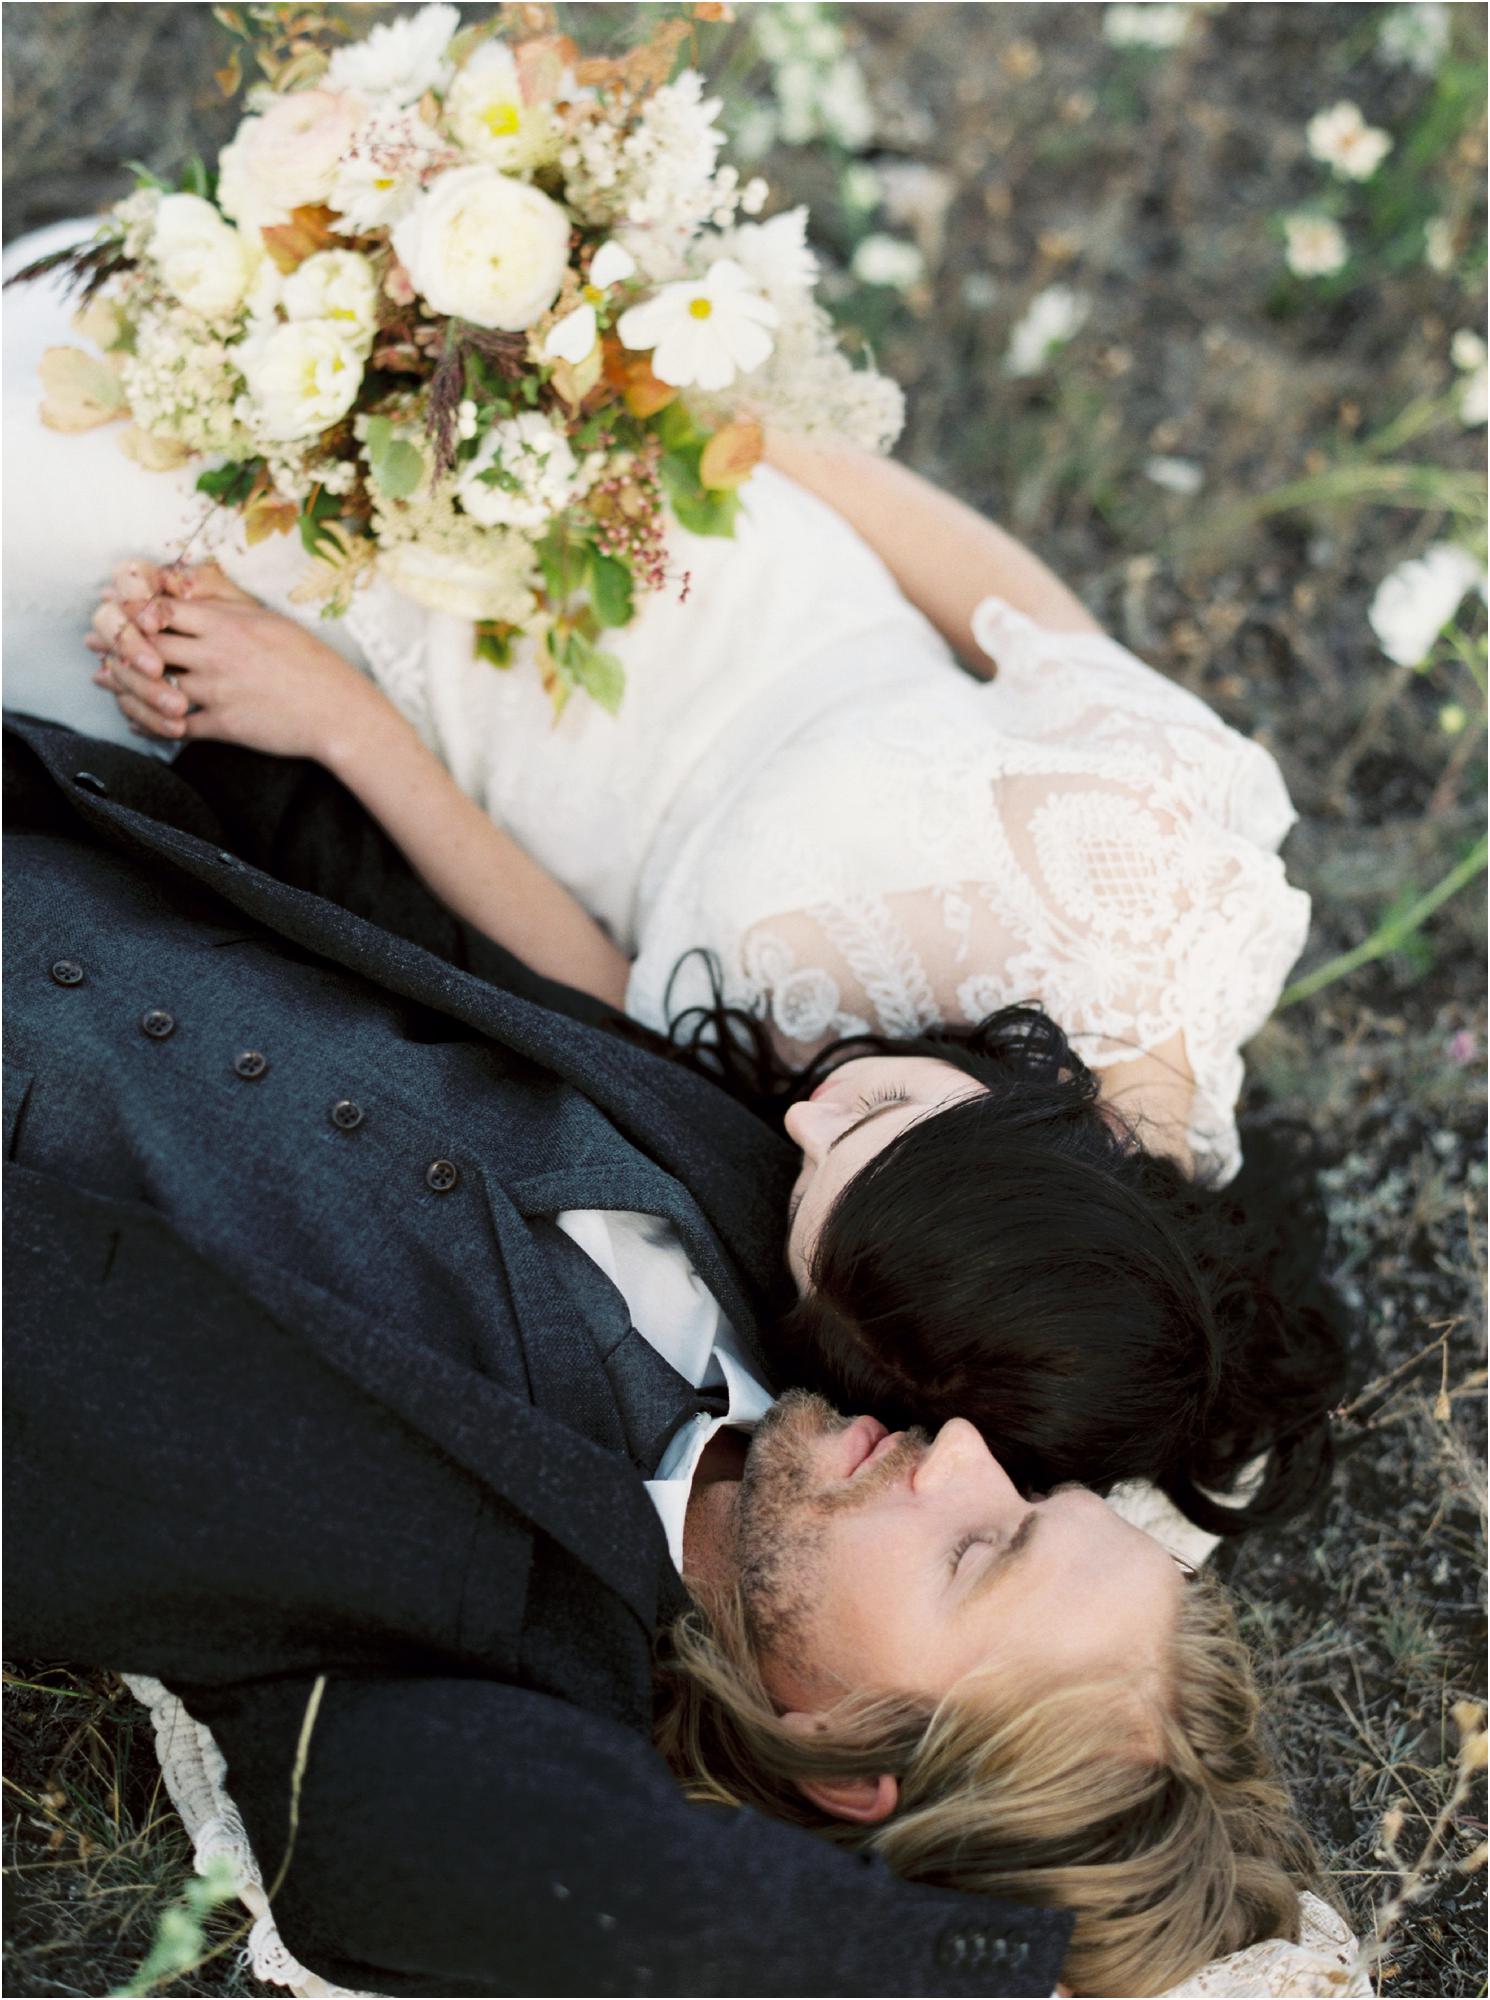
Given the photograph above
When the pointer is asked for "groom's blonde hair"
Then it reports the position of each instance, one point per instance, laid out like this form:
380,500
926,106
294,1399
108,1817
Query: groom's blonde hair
1167,1859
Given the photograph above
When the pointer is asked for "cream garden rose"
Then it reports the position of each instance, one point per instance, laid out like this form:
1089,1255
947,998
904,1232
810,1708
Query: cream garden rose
303,376
339,286
485,248
203,261
287,157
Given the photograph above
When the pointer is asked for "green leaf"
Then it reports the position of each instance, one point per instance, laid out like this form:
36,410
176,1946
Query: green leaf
146,177
397,465
707,513
322,507
230,484
195,179
676,429
610,589
601,675
494,647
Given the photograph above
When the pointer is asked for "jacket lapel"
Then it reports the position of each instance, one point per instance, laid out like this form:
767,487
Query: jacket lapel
736,1173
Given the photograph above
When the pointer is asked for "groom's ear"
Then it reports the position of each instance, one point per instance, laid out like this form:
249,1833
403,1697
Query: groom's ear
865,1801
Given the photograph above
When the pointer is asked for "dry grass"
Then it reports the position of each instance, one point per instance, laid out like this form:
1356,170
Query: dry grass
1148,183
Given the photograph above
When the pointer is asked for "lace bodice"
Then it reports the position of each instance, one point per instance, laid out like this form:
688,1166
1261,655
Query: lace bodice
1079,832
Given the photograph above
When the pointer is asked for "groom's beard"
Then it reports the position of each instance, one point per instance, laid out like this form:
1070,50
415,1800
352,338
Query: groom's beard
784,1515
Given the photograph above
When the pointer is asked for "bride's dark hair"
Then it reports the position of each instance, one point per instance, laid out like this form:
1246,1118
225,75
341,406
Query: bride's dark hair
1020,1260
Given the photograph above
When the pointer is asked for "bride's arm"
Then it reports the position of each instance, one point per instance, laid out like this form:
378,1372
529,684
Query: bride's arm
945,557
260,680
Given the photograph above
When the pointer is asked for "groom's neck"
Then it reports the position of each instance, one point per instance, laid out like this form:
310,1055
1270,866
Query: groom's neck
709,1560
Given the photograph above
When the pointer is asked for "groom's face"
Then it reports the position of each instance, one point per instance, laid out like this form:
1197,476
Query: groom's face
871,1561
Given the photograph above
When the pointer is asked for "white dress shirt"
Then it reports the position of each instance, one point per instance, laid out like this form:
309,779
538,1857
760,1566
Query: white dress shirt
674,1309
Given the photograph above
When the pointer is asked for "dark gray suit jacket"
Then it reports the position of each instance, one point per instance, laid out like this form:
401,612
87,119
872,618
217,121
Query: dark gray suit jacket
303,1380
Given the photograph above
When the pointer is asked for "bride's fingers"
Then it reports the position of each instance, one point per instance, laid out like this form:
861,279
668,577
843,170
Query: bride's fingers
137,578
169,729
162,697
122,637
204,580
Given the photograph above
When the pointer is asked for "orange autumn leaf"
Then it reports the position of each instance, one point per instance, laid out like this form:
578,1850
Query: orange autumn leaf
80,391
731,455
267,514
713,10
630,375
541,64
307,231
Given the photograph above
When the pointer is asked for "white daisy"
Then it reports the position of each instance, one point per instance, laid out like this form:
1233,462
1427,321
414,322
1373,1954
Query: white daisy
1315,246
703,331
1413,604
1342,139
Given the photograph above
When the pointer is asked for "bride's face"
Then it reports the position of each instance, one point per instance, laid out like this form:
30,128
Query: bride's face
852,1115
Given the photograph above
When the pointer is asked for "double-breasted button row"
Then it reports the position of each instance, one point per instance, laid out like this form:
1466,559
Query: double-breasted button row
971,1950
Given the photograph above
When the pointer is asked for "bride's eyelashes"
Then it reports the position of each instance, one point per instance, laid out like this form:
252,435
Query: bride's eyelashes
871,1100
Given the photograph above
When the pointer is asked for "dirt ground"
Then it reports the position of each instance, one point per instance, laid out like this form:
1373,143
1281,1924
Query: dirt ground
1152,183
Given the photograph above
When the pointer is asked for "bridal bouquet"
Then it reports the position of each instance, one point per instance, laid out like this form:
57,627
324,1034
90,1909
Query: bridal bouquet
469,311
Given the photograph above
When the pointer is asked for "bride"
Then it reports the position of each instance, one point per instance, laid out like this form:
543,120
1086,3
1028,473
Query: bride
890,834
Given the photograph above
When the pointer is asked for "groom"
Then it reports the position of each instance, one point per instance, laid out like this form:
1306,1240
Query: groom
371,1325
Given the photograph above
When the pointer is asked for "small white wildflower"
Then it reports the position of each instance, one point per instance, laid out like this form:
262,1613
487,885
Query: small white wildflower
703,332
1474,398
1176,475
1438,245
1053,317
1147,24
754,195
1452,721
861,187
1315,246
1413,605
888,260
465,419
1343,141
1414,37
1466,349
398,60
844,106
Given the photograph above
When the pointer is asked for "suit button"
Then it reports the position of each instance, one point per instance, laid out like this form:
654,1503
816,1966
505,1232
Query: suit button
441,1176
67,972
952,1951
228,860
250,1064
157,1023
90,781
346,1115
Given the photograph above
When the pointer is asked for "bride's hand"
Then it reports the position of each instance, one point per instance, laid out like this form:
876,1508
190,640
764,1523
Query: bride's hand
189,656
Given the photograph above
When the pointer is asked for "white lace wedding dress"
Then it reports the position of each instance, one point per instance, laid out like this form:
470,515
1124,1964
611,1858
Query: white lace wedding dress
801,780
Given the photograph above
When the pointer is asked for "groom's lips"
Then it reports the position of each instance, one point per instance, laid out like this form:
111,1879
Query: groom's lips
862,1440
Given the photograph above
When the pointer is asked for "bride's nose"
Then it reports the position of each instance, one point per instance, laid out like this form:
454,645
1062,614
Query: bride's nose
811,1126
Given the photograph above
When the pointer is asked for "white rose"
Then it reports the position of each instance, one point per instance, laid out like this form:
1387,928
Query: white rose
203,261
303,377
488,118
287,157
485,248
464,586
335,285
